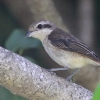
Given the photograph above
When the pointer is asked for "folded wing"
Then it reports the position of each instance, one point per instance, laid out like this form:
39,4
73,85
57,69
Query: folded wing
68,42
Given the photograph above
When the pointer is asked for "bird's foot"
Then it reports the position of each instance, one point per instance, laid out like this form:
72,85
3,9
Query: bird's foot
53,73
69,78
58,69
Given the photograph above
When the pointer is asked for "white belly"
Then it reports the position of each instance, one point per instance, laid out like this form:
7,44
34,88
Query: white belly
64,58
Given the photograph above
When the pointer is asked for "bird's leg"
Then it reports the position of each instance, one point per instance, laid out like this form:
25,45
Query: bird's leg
57,69
69,78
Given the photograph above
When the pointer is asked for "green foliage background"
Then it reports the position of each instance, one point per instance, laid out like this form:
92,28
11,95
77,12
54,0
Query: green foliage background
96,95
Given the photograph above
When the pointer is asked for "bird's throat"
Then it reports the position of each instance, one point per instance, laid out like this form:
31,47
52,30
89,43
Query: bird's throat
41,35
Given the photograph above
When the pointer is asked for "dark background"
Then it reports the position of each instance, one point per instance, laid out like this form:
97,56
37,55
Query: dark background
79,17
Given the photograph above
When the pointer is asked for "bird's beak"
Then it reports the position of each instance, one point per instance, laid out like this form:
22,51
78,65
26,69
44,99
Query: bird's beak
28,35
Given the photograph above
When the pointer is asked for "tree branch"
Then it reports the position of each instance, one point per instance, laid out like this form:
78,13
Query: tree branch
26,79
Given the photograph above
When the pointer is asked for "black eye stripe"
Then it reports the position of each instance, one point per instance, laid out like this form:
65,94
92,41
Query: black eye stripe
40,26
47,26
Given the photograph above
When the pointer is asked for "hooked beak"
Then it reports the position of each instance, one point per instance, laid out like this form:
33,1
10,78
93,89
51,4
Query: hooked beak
28,35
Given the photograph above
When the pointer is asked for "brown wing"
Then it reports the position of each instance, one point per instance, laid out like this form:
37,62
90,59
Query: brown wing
66,41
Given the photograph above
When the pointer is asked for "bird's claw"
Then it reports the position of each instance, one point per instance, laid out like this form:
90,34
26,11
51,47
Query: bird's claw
51,71
69,78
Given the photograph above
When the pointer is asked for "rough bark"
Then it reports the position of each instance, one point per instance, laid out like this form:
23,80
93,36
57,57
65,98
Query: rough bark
26,79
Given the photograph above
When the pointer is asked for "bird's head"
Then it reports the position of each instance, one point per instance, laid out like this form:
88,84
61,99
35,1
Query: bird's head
40,29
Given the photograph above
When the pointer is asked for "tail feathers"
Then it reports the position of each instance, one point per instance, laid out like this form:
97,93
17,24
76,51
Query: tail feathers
95,63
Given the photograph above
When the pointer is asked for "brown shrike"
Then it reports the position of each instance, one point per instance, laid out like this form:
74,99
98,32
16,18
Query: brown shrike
62,47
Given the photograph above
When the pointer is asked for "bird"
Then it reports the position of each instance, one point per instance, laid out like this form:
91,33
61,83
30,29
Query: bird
64,48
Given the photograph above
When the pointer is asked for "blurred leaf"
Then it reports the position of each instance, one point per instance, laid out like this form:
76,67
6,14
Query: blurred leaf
7,95
18,41
96,95
31,59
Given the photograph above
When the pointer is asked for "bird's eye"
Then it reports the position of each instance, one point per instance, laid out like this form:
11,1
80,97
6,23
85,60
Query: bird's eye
39,26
